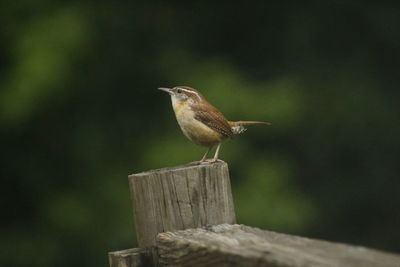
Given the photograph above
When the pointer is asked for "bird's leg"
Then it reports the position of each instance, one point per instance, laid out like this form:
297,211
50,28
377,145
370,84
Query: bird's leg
217,152
215,159
205,155
203,159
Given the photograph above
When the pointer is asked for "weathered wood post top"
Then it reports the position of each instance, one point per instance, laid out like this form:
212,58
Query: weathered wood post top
172,206
180,198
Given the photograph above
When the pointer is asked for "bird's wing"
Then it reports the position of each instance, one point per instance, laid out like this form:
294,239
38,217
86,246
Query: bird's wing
213,118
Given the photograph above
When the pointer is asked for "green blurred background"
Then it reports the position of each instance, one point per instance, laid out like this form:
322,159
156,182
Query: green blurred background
79,111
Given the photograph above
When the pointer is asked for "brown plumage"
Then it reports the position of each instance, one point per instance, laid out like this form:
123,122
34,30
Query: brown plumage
201,122
213,118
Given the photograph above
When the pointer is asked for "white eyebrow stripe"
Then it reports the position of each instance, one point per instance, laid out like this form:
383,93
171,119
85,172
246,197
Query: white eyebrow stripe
189,91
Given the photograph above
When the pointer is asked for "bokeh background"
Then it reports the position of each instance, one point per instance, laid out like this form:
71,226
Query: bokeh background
79,111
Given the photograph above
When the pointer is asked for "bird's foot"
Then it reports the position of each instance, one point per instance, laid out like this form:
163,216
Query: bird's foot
211,161
197,162
204,161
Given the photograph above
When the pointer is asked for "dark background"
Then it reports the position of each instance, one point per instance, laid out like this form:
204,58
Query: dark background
79,111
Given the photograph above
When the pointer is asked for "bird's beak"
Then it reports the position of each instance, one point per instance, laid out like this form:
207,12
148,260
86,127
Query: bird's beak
168,90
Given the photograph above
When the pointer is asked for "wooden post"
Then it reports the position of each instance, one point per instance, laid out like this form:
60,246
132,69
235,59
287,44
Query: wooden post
188,197
134,257
179,198
240,245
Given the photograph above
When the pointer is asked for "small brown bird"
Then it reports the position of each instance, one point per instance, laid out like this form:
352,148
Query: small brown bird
202,123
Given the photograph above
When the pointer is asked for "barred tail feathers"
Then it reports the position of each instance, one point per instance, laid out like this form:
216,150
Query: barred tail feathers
238,126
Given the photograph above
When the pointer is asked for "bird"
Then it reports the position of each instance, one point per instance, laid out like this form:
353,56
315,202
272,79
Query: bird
201,122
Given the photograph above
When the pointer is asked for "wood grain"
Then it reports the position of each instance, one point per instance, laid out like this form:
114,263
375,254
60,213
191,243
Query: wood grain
199,199
239,245
134,257
179,198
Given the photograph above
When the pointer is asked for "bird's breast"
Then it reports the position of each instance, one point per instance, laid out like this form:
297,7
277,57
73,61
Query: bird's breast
194,130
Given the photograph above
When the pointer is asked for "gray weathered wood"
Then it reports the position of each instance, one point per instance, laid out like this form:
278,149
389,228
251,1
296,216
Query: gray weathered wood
167,200
134,257
239,245
179,198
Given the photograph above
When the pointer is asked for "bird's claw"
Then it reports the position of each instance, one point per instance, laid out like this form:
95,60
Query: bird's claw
210,161
205,161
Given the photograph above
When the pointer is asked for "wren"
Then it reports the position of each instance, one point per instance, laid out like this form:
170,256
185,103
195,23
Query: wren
201,122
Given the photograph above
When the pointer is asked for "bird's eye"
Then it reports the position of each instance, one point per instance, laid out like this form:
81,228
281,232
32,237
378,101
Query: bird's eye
179,91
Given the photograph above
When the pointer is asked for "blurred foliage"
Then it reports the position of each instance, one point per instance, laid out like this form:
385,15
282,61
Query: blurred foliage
79,111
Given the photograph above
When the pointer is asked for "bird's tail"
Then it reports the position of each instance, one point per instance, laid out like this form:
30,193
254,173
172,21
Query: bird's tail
238,126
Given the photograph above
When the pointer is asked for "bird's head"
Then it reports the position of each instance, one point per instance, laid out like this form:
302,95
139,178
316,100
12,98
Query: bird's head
180,94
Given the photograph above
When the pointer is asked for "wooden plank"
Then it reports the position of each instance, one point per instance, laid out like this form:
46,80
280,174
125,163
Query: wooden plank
179,198
134,257
239,245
